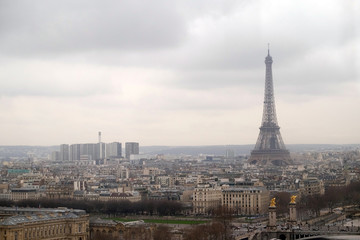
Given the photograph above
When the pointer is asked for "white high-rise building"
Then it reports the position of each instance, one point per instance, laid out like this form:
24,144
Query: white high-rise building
90,150
64,152
131,148
113,150
75,152
55,156
100,150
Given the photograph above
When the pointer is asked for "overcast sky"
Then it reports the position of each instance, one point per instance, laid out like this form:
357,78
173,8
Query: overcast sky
177,72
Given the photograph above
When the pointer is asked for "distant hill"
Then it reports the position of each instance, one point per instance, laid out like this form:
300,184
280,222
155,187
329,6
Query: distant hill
44,151
25,151
238,149
196,150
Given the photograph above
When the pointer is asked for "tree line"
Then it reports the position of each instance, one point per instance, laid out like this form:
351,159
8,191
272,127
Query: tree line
111,208
333,197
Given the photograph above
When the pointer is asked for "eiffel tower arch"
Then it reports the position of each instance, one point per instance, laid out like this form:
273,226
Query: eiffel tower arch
270,148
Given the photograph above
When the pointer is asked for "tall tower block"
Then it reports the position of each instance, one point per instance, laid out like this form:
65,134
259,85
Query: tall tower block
270,148
100,146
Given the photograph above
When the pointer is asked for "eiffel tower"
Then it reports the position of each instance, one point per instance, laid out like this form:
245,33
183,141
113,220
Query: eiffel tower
270,148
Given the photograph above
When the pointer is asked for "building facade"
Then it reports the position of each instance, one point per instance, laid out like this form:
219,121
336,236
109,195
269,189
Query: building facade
312,186
246,200
46,226
205,198
60,190
131,148
75,152
18,194
110,229
113,150
64,152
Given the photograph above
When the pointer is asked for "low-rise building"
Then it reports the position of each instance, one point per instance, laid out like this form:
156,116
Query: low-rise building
60,190
110,229
119,196
45,225
312,186
18,194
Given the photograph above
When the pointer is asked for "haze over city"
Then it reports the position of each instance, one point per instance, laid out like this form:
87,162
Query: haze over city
177,72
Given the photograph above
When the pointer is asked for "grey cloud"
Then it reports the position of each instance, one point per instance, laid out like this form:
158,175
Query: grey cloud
219,79
51,79
47,27
207,44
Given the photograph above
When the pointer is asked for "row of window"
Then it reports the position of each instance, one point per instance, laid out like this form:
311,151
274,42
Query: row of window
40,232
45,231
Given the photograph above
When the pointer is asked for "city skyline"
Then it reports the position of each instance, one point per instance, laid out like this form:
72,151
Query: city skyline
177,73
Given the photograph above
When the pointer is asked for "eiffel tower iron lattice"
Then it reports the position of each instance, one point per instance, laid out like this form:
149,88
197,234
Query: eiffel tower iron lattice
270,148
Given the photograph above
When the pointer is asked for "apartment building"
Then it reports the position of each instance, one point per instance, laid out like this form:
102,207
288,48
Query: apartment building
205,198
246,200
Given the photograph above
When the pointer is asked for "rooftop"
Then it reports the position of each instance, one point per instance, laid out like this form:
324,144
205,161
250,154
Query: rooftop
19,219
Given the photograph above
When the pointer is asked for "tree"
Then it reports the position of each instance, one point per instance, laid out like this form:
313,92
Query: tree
6,203
332,197
223,215
282,202
103,235
197,232
162,233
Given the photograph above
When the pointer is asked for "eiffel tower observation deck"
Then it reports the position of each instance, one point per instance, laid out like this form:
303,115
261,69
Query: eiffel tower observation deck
270,148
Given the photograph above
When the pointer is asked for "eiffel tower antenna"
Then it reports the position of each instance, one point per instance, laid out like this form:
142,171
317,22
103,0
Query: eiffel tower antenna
270,148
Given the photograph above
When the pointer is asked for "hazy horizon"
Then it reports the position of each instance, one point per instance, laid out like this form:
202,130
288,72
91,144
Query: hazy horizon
177,73
222,145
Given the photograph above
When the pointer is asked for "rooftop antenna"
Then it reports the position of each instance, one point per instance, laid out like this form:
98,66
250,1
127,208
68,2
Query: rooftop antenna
268,48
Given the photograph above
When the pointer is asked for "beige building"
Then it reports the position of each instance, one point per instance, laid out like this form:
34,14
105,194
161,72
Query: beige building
165,181
132,197
151,171
312,186
110,229
205,198
18,194
4,187
45,225
60,190
246,200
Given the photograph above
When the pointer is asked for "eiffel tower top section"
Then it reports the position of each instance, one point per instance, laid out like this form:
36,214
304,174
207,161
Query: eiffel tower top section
269,115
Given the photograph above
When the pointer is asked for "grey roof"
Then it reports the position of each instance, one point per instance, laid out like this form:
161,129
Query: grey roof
132,223
19,219
243,189
97,220
40,210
